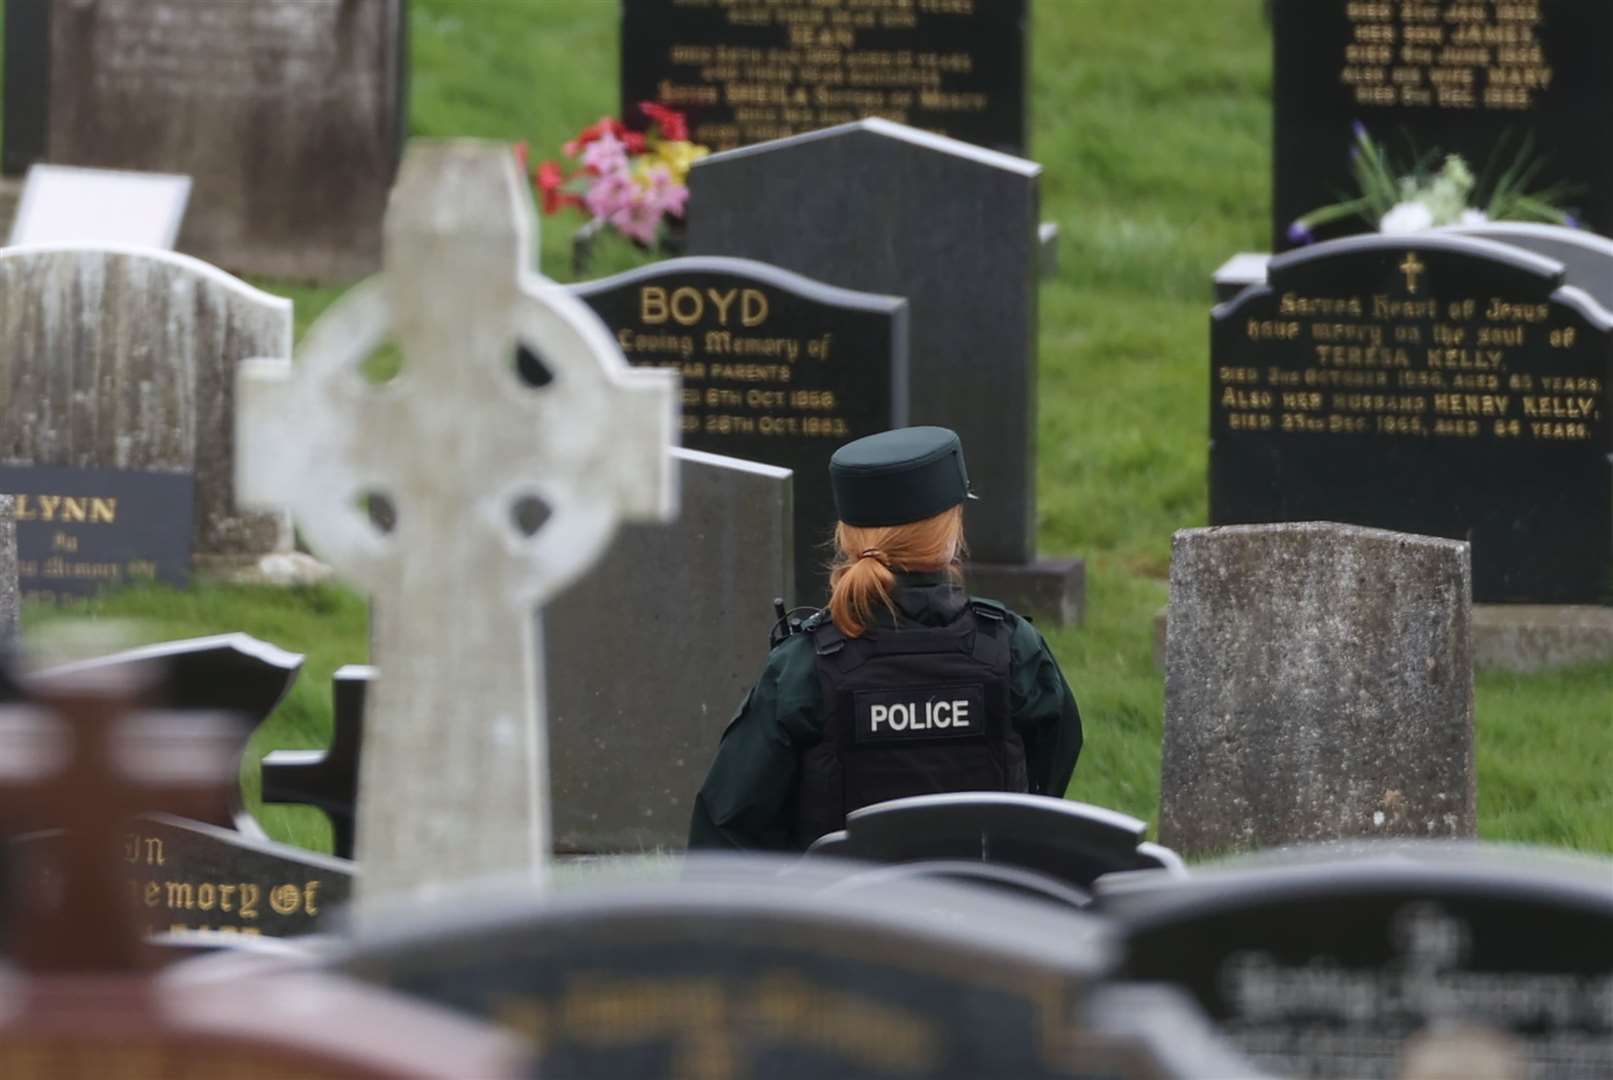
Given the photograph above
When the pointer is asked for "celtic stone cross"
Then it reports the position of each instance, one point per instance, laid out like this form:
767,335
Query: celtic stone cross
467,450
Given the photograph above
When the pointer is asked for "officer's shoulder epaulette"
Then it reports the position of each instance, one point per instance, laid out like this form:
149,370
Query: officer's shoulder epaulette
989,609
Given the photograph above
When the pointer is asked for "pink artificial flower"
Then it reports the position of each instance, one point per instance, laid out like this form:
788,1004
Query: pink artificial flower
638,220
611,194
605,156
665,194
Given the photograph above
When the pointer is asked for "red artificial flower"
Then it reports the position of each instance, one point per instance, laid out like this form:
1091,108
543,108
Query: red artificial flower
550,181
673,124
634,141
607,125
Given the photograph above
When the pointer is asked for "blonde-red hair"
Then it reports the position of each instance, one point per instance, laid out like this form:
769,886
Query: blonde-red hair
862,572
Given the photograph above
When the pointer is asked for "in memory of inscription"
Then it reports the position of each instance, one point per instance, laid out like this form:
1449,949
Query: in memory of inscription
1491,81
776,368
746,71
1445,386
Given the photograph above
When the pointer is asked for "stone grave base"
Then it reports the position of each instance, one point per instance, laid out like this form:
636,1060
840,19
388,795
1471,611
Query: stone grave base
1521,638
1053,591
283,568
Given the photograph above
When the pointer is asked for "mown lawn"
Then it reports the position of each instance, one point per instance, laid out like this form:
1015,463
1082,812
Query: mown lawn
1152,119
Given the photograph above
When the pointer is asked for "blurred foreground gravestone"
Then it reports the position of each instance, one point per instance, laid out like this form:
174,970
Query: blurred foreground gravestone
1319,685
777,368
951,227
125,360
468,455
1068,841
1354,964
620,783
288,114
732,972
81,1006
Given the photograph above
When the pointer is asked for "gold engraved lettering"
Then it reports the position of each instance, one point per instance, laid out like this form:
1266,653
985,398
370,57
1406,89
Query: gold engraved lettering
249,900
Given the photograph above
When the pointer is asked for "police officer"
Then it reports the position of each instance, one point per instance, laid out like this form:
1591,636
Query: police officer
905,685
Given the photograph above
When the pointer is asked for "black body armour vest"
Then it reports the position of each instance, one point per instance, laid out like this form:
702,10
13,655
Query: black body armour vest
915,711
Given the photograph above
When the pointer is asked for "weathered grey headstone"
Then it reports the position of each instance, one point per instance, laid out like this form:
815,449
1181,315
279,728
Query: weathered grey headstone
10,597
654,649
1318,685
1587,257
467,455
883,208
123,359
287,113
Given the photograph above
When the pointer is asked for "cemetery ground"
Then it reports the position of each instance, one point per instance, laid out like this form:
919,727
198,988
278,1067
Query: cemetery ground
1153,122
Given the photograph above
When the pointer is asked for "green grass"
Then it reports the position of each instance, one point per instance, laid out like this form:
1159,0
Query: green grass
1152,119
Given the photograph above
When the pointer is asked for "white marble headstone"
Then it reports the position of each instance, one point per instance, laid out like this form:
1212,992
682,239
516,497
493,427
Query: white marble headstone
455,777
62,204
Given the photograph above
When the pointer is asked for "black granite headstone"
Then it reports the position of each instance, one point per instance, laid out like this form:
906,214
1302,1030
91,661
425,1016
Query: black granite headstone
1435,385
953,228
234,674
777,979
27,73
81,530
748,73
327,779
1068,841
1488,81
1346,968
776,368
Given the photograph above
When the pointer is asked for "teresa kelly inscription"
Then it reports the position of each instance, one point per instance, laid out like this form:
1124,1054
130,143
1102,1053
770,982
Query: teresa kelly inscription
1417,54
1413,366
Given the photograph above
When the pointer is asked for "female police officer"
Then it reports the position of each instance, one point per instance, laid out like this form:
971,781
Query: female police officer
905,685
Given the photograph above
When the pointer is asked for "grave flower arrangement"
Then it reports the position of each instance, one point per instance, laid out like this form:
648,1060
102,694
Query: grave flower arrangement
631,181
1399,199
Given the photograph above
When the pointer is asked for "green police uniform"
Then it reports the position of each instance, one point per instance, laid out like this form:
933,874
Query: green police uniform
749,797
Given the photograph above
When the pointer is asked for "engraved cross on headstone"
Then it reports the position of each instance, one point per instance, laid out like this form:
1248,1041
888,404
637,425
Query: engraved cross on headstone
454,780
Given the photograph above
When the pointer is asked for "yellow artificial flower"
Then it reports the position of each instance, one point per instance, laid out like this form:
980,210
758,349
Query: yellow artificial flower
679,157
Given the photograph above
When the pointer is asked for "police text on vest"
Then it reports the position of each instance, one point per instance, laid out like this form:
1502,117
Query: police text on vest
934,715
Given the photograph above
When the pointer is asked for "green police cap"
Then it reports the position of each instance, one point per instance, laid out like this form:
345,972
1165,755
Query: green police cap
898,477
